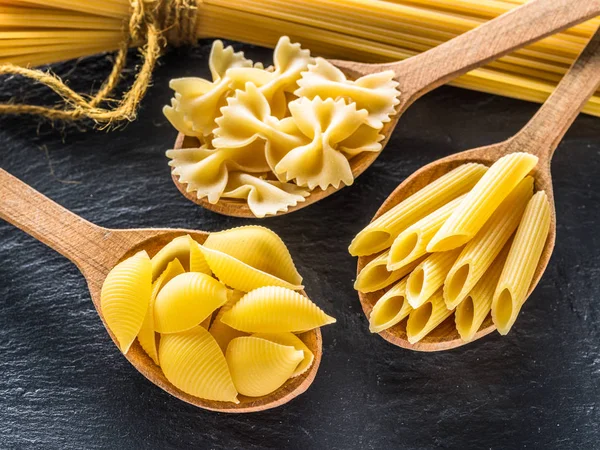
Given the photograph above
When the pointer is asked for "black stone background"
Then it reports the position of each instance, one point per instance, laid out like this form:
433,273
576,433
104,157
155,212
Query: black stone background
63,384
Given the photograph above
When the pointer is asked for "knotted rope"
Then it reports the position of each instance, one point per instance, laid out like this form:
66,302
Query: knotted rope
152,22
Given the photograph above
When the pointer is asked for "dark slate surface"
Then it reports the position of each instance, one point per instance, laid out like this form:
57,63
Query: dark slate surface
63,384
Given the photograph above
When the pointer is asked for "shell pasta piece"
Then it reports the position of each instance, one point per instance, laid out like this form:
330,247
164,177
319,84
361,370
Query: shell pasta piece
147,334
390,309
412,243
125,297
259,366
273,309
429,276
480,252
197,261
473,310
380,233
193,362
521,262
375,276
426,317
178,248
187,300
294,341
480,203
223,333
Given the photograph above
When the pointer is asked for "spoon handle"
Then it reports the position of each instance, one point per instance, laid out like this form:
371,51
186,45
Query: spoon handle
84,243
528,23
545,130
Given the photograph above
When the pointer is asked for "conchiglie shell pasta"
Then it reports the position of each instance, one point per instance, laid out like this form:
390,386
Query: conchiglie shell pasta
197,261
178,248
147,335
274,309
294,341
223,333
249,257
193,362
259,367
125,298
187,300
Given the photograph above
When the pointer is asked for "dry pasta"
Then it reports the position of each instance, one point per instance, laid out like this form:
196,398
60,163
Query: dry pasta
375,276
390,309
223,333
294,341
425,318
178,248
197,261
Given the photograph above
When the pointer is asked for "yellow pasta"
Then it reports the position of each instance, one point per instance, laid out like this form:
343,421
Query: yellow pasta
480,252
473,310
426,317
259,367
125,297
479,204
273,309
246,258
193,362
187,300
521,262
390,309
429,276
178,248
147,334
380,233
294,341
223,333
375,276
412,243
197,261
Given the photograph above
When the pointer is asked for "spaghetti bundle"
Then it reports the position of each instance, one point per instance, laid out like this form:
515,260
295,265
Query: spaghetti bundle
38,32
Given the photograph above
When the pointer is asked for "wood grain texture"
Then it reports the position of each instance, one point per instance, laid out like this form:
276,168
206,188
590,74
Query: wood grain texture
540,136
424,72
96,250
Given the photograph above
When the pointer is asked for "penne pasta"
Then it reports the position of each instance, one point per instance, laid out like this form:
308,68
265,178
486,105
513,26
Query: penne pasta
390,309
412,242
429,276
480,203
375,276
480,252
380,233
521,262
426,317
473,310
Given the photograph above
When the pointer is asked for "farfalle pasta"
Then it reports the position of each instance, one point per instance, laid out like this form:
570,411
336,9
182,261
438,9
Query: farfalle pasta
268,137
217,319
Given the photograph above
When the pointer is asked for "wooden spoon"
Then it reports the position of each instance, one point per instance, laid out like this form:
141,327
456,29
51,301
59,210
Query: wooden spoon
424,72
540,136
96,250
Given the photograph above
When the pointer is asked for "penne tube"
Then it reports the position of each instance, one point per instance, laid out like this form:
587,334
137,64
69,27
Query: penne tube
380,233
390,309
480,252
473,310
425,318
480,203
429,276
412,242
521,262
375,276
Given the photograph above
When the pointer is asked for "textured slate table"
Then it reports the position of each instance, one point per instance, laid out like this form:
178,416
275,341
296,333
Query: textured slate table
63,384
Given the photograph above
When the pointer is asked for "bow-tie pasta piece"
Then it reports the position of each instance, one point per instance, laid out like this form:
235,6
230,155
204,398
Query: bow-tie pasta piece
147,334
273,309
125,297
193,362
206,171
259,367
326,123
187,300
224,58
294,341
375,92
264,197
223,333
364,139
249,257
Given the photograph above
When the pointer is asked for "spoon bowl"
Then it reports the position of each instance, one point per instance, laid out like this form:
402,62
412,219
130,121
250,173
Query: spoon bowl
540,136
96,250
424,72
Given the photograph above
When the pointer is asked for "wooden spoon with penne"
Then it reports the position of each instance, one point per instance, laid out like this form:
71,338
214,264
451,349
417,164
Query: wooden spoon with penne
497,205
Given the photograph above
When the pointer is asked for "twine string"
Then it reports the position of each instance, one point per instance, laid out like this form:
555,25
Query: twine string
153,23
